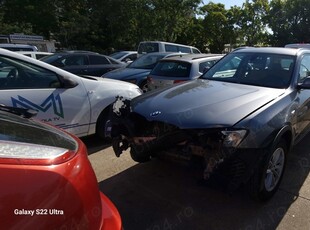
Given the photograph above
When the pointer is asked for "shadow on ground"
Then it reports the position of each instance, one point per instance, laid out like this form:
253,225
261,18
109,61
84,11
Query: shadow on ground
95,144
165,195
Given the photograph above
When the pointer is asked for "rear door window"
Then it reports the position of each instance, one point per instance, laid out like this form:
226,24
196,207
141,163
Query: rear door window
98,60
74,60
148,47
184,49
195,51
171,48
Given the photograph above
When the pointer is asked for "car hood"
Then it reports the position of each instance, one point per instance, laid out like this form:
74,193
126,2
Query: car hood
203,103
124,73
107,89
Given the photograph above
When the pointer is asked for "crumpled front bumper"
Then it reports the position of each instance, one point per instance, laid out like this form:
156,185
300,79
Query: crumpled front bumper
152,138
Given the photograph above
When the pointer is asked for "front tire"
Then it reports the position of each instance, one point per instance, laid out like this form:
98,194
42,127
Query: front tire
103,126
267,178
138,155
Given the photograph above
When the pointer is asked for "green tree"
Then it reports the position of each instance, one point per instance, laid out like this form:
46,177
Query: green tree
124,23
218,28
289,21
194,35
252,22
30,16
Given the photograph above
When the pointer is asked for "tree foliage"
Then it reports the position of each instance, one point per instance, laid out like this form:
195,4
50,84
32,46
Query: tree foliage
252,22
217,26
290,21
108,25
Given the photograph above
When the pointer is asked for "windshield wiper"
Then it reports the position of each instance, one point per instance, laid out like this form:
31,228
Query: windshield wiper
26,113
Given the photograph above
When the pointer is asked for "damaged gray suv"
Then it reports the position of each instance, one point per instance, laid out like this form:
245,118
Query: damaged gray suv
241,118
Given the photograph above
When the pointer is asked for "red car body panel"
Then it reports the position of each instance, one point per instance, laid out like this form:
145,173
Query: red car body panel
59,196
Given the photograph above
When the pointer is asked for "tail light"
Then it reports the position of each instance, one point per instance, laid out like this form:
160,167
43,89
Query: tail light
32,154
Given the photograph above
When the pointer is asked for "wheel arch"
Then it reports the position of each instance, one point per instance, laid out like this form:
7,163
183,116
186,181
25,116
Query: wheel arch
104,113
285,133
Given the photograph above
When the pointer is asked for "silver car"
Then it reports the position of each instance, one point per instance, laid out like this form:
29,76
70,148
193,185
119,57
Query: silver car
173,70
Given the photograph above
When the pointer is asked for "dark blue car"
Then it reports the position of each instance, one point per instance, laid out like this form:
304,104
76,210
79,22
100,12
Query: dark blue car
137,71
239,120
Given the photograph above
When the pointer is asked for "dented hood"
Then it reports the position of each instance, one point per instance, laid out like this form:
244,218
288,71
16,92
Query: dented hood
203,103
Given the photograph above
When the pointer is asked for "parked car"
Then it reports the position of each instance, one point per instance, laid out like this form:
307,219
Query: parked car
171,70
78,104
47,180
125,56
161,46
18,47
137,71
241,118
298,45
35,54
83,63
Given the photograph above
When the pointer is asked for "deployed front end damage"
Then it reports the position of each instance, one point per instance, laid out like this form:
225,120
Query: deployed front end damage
148,139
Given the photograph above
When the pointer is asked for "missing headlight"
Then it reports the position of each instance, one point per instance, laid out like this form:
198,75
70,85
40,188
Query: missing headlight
233,138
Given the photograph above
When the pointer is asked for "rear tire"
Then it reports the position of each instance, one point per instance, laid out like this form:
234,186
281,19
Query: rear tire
267,178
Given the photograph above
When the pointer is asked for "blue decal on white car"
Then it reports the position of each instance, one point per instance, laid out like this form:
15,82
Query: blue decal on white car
50,101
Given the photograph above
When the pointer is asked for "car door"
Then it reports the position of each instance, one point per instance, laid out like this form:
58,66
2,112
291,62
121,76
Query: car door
26,85
303,98
76,63
99,65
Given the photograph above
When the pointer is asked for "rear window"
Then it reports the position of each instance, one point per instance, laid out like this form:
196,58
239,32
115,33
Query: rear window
172,69
148,47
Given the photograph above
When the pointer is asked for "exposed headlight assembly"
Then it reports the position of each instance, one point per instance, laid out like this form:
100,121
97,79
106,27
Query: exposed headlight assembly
232,138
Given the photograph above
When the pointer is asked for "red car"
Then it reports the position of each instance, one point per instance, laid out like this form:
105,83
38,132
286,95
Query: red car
47,181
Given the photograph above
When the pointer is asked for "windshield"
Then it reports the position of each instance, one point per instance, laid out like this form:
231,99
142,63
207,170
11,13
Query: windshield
261,69
147,61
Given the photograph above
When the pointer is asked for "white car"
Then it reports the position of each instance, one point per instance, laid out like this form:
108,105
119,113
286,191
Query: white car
80,105
125,56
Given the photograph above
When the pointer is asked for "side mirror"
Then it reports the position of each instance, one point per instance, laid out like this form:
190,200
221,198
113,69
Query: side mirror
69,83
305,84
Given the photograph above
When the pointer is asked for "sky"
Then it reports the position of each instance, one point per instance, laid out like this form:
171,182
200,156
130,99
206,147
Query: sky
227,3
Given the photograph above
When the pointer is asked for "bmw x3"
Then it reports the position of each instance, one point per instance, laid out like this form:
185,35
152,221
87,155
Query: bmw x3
241,118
